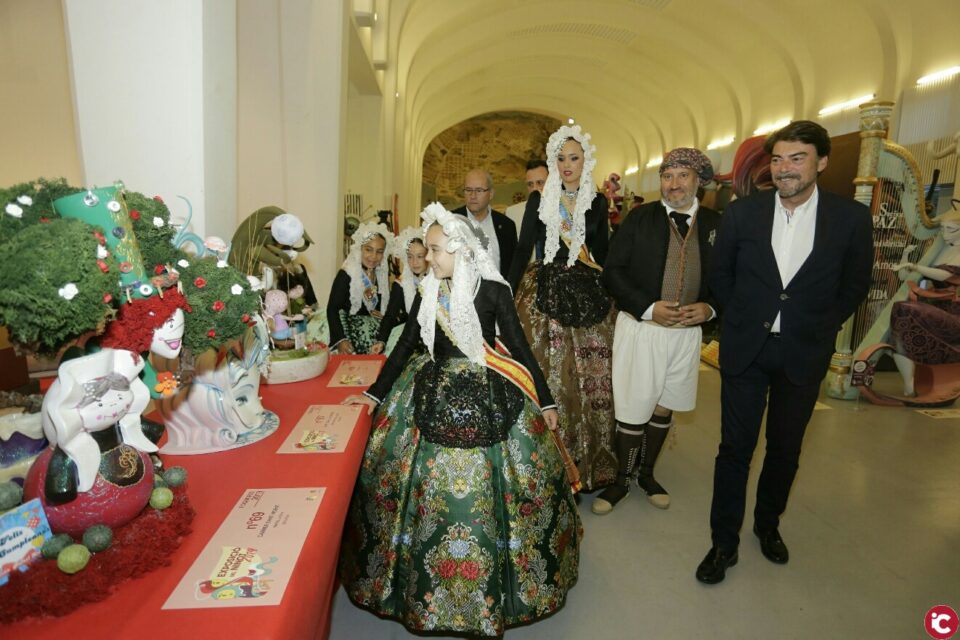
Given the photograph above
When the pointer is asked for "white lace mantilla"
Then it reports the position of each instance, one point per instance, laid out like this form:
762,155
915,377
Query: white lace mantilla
354,267
408,280
550,200
472,264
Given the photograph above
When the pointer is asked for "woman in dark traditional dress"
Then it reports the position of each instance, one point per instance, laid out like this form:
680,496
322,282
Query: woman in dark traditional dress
566,313
462,519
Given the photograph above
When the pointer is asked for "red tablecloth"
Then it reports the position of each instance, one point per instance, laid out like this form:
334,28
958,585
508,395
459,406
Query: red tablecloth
215,483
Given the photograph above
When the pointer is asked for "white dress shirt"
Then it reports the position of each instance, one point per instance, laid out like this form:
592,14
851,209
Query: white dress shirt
792,239
486,225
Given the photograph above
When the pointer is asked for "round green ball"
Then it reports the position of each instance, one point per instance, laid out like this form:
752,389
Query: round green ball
175,476
10,495
158,481
98,538
161,498
53,546
73,558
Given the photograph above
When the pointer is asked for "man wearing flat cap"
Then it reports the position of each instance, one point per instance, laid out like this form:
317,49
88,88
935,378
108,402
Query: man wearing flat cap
655,270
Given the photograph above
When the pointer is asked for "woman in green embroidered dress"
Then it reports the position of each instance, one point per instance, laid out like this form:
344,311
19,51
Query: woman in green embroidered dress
462,519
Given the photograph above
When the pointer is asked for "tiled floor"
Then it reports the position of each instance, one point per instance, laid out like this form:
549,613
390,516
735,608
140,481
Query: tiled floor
873,527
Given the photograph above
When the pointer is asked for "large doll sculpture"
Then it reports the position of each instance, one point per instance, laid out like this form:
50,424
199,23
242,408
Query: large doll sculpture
97,470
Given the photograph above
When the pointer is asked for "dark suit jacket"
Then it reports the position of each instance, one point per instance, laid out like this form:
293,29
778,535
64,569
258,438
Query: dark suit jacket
635,263
534,233
825,291
506,237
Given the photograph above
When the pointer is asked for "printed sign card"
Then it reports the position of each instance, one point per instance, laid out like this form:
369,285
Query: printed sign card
249,560
355,373
323,428
23,530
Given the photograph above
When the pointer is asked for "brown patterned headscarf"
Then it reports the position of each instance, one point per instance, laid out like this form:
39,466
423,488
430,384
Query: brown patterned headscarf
692,159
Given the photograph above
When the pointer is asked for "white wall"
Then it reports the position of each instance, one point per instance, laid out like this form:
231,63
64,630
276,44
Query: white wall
154,86
292,93
36,112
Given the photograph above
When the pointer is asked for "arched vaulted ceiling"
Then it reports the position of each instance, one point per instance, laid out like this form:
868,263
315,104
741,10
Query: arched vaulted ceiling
645,76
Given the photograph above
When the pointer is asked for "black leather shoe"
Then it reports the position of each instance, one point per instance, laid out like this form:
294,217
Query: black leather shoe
772,546
714,567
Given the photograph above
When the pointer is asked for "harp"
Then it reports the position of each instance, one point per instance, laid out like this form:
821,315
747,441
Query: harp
889,182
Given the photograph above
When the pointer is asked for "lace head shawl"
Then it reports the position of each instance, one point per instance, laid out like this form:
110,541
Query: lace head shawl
354,267
471,264
408,280
550,200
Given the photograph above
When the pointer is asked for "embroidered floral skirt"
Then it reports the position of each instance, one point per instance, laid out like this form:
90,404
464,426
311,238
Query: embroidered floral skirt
576,361
465,540
361,331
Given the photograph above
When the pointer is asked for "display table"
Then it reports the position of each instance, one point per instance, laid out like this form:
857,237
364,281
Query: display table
216,482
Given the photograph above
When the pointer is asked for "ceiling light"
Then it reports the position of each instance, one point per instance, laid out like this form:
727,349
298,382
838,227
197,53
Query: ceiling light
849,104
631,170
396,95
570,120
773,126
655,162
939,75
722,142
375,16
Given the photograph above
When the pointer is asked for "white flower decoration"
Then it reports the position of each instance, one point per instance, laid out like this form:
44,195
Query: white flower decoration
255,283
183,263
68,291
221,264
14,210
102,251
25,200
158,222
113,205
145,289
236,289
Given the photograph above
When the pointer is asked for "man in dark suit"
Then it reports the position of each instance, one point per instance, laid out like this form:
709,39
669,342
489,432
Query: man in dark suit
790,266
499,229
656,270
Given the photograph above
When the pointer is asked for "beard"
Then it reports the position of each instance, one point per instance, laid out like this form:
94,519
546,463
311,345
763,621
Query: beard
792,188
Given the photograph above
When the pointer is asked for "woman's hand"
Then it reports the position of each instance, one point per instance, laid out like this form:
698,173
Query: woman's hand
345,348
359,398
377,348
552,418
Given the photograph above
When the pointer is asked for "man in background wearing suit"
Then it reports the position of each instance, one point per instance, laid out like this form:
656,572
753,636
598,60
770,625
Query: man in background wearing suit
499,229
789,267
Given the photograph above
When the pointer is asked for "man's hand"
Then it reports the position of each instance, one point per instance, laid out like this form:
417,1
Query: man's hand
377,347
552,418
694,314
345,348
666,313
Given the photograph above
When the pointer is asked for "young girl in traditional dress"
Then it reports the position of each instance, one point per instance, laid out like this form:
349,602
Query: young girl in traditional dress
408,247
359,295
565,310
462,519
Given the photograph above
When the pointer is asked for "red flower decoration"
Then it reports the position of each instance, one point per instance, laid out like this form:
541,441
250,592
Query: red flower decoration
103,266
107,298
158,269
199,282
44,220
158,199
134,214
211,333
447,568
99,237
245,318
469,569
218,305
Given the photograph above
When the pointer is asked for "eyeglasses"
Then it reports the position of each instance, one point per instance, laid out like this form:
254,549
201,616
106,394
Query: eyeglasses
475,192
